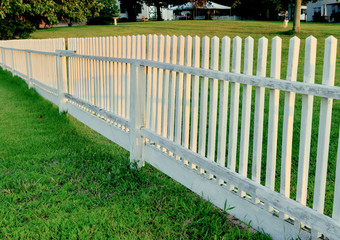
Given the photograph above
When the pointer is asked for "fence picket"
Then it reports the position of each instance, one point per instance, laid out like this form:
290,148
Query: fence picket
326,105
215,48
306,121
159,89
115,76
148,82
128,75
123,78
223,104
288,120
179,91
204,99
195,95
171,121
154,84
186,94
234,105
246,108
166,77
112,77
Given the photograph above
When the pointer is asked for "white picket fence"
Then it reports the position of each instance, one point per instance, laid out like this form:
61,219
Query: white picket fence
174,102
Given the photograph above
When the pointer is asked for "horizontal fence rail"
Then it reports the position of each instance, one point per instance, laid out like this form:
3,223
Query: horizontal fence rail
264,148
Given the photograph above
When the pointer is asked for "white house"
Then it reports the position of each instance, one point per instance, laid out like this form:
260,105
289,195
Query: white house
303,15
147,11
323,8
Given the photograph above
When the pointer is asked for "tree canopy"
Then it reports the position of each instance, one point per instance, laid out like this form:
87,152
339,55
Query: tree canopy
19,18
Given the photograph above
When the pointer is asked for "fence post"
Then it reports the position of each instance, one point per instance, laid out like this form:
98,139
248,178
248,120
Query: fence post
12,68
3,59
62,82
29,69
137,113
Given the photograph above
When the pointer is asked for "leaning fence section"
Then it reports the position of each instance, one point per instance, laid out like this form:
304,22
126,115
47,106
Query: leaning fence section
212,115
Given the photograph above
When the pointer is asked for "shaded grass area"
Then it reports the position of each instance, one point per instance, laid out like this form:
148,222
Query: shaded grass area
61,180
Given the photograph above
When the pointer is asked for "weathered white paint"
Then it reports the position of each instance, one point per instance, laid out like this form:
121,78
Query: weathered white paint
306,121
195,95
328,78
97,71
187,93
204,98
215,47
287,133
336,202
246,108
223,104
234,104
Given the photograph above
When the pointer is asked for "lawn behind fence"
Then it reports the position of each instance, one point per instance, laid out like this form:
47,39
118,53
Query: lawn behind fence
61,180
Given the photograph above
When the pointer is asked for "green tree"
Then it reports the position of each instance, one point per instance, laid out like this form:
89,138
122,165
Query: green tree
106,14
18,19
76,11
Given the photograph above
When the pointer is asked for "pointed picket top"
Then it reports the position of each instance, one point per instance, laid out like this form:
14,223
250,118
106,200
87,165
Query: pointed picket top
115,46
133,47
138,47
154,47
119,47
236,62
149,47
143,45
205,52
188,50
225,55
128,46
215,50
180,50
275,65
174,44
248,55
167,49
293,58
161,48
310,59
262,57
196,51
329,63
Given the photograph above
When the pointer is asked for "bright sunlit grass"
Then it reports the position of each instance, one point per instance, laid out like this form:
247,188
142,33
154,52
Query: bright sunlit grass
61,180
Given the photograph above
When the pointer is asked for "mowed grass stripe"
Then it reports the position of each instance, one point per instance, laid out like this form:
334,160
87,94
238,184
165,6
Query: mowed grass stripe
61,180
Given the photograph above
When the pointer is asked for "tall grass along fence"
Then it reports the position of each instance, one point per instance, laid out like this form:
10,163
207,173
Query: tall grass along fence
265,150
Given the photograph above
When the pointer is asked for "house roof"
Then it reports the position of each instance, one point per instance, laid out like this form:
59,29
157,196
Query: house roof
208,5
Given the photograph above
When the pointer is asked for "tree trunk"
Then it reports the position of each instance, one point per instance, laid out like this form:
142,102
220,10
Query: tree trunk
159,13
296,24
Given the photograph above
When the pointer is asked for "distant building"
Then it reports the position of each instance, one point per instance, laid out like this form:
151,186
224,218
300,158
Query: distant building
146,11
323,11
303,15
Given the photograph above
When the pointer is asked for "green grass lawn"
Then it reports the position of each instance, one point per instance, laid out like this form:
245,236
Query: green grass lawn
255,29
61,180
57,172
